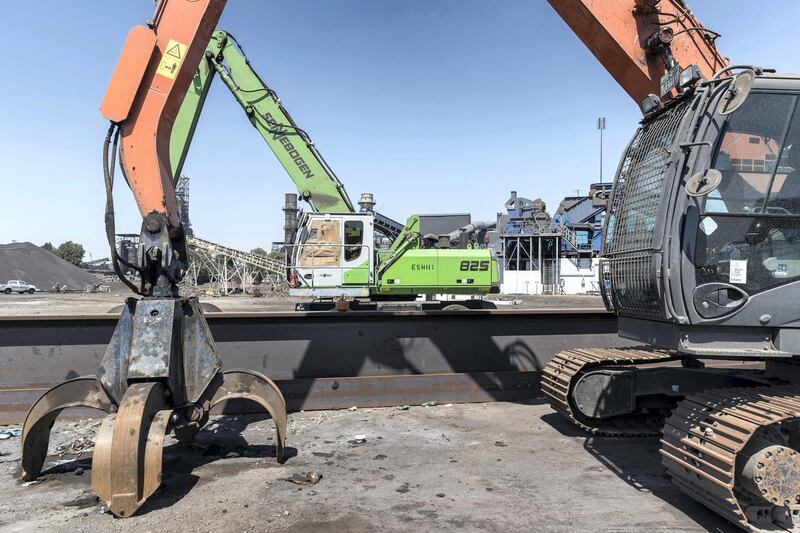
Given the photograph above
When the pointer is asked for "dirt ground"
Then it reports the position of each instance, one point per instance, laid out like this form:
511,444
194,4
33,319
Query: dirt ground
470,467
79,303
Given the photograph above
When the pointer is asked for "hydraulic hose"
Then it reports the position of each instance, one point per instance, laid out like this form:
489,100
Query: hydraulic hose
108,177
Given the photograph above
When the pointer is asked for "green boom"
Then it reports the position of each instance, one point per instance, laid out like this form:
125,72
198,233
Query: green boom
405,268
315,181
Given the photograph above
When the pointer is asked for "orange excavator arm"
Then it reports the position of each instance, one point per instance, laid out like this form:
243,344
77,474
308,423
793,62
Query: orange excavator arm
146,91
151,79
639,41
161,373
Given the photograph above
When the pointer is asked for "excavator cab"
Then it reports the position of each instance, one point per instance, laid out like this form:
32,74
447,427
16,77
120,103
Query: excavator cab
746,249
333,255
705,210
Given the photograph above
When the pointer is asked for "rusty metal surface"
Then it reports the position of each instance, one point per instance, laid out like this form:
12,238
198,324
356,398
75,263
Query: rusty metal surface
81,392
297,346
126,463
470,355
387,391
560,375
709,432
152,345
350,315
127,458
200,362
161,339
772,473
114,368
308,348
344,392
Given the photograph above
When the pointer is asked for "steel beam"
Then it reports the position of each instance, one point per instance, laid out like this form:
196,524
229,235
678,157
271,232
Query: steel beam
320,360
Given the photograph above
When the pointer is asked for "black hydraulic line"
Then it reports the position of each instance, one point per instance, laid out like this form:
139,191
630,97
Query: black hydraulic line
700,29
108,176
757,70
675,19
299,131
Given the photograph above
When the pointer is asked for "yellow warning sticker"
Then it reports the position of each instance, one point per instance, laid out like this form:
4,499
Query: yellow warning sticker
172,59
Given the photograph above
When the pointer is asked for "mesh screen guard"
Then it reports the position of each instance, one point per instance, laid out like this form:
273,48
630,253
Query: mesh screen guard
631,245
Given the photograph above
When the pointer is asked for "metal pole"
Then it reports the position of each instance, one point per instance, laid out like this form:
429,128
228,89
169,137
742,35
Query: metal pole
539,242
601,125
557,266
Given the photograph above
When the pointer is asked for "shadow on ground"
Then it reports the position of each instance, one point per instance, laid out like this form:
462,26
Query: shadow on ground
220,441
637,462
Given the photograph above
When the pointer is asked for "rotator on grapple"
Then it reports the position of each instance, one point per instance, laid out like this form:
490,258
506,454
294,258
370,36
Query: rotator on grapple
161,371
700,261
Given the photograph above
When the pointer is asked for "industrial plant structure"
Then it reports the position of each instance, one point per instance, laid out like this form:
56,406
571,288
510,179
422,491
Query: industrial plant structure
540,254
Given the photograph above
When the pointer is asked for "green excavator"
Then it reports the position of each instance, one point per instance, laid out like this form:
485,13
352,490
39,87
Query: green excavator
337,254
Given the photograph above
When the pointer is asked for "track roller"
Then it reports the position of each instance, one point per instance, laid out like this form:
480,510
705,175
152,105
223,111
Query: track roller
737,452
567,370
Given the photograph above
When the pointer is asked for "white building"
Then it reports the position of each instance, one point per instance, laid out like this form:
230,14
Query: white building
572,277
543,255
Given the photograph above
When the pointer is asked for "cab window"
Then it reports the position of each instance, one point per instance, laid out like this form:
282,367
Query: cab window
321,248
749,231
353,239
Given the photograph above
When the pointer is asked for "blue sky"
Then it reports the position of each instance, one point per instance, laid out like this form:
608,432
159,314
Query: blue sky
433,106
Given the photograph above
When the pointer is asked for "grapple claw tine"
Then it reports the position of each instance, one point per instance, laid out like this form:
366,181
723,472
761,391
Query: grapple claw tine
256,387
101,456
126,467
154,452
79,392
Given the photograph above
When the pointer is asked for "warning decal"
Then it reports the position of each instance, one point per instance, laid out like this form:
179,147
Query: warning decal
175,51
172,59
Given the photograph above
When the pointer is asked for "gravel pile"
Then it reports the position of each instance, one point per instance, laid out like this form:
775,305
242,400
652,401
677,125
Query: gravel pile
35,265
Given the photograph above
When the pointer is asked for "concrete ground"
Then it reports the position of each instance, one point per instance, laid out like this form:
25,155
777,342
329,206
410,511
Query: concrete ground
79,303
470,467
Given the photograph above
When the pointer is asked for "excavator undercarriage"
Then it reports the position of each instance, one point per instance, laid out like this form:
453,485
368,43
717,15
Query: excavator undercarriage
729,437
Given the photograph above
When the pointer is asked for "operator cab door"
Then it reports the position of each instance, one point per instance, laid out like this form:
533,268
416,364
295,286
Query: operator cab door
357,256
744,264
320,257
